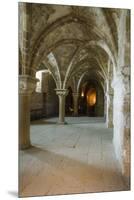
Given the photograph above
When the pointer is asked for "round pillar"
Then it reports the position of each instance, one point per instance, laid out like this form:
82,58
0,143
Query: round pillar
62,95
27,85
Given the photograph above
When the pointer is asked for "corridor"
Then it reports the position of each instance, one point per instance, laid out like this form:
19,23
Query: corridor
65,159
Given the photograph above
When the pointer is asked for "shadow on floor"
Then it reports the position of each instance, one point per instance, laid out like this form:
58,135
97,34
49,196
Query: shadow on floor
42,122
65,175
70,120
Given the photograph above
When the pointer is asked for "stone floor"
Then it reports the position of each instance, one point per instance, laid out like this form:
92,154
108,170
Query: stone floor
73,158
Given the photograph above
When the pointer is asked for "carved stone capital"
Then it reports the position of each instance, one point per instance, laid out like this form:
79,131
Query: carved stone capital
61,92
27,84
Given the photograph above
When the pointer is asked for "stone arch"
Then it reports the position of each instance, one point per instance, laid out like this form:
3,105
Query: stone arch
100,44
98,108
56,76
60,22
106,48
85,65
81,78
58,43
79,82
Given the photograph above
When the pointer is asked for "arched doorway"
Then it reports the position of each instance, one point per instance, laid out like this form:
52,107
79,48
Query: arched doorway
91,101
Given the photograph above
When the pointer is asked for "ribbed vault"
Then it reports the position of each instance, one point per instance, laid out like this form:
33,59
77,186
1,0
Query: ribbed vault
72,37
78,45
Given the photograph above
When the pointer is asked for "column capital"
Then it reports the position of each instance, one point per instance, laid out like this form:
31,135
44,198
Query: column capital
27,84
61,92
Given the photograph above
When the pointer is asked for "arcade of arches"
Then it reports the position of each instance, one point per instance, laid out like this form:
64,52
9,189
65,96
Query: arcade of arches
74,75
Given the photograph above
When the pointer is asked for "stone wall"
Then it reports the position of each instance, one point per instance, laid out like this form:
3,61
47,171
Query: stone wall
37,106
121,104
51,101
74,41
121,120
45,103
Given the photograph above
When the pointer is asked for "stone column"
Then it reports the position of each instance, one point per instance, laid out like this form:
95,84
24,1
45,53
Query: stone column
105,106
61,94
127,139
27,85
109,117
121,120
75,101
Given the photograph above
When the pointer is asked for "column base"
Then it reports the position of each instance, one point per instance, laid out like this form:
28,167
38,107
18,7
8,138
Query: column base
62,123
25,146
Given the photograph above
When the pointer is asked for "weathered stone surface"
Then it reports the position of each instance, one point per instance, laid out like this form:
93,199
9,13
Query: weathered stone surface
27,85
80,48
70,159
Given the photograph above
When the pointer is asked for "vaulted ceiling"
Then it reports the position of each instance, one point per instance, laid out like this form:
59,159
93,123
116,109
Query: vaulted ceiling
71,40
